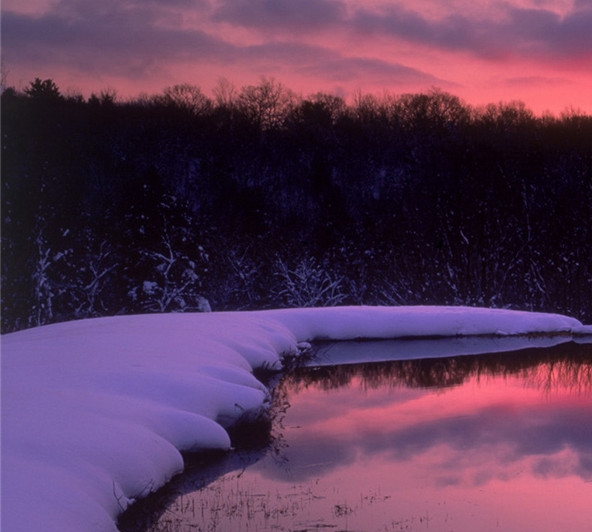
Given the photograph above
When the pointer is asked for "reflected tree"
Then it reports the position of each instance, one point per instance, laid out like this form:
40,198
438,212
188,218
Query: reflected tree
564,367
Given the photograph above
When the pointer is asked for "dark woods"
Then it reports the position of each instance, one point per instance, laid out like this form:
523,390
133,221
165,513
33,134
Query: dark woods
258,198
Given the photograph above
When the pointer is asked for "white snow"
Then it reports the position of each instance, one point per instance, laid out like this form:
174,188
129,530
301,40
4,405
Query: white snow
96,412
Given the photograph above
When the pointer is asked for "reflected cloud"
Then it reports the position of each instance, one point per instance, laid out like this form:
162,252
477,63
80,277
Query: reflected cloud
501,435
517,423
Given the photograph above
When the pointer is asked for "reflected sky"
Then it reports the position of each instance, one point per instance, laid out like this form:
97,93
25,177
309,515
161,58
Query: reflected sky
369,447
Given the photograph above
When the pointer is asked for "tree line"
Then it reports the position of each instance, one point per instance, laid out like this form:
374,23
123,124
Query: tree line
257,197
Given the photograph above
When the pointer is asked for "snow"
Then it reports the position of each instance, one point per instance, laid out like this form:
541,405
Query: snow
95,413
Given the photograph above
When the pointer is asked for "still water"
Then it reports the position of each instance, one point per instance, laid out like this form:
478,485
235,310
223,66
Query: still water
496,442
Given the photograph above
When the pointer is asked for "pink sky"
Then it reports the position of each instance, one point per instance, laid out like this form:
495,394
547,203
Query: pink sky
537,51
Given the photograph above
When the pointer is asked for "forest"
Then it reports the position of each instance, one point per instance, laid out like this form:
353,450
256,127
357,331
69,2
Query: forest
257,197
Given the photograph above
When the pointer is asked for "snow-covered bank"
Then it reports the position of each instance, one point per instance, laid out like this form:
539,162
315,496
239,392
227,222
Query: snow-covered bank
348,323
95,412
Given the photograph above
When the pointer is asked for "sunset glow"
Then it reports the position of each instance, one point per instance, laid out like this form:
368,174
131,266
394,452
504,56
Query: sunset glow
536,51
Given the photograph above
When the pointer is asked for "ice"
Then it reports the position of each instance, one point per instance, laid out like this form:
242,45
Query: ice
96,412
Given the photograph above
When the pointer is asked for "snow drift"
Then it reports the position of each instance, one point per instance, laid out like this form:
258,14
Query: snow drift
95,413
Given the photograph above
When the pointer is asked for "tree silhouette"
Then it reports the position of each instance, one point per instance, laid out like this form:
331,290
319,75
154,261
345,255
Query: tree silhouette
391,199
43,90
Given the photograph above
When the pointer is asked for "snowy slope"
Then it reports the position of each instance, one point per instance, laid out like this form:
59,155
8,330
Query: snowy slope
95,412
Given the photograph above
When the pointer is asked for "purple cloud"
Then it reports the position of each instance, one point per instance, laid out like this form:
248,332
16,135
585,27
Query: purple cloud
129,40
454,31
341,69
317,61
269,15
544,32
526,32
522,32
137,40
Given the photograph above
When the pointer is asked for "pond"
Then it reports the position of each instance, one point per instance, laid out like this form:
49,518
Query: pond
462,443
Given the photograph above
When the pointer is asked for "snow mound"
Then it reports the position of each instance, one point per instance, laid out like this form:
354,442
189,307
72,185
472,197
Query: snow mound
95,413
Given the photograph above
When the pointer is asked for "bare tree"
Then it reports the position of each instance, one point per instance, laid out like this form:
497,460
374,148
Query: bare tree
308,285
43,287
188,97
266,104
174,279
224,93
99,262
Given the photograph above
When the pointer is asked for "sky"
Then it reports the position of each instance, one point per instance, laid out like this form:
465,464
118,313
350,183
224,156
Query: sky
484,51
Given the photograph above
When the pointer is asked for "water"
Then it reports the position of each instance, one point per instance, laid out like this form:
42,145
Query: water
490,442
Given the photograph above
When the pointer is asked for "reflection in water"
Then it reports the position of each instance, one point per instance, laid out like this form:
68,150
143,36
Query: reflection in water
489,442
560,367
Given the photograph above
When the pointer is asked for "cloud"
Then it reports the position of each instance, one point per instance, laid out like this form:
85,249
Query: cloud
127,39
136,40
318,61
538,33
509,31
537,81
396,21
343,68
273,15
522,32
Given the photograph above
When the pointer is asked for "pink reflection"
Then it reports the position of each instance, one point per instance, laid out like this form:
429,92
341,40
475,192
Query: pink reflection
505,451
